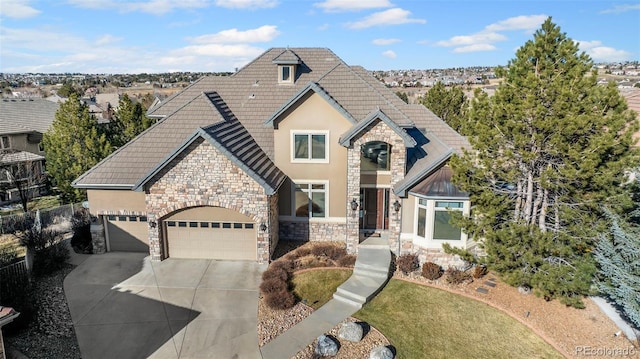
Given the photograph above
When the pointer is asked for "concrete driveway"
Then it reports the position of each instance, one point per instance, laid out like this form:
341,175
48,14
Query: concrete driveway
125,306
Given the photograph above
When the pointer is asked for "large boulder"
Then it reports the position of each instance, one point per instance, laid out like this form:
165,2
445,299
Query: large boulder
350,331
381,353
326,346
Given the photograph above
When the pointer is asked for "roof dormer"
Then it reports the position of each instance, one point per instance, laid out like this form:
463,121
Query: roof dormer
287,63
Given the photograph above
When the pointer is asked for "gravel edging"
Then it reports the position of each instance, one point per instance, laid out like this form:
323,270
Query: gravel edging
51,334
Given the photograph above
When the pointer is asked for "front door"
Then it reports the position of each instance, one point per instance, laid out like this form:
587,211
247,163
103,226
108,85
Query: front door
375,204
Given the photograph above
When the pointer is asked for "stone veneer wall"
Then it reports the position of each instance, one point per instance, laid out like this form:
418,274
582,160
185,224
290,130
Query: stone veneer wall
202,176
376,131
312,231
438,256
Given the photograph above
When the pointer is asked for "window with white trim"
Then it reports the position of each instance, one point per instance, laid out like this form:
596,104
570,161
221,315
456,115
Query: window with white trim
285,74
309,146
442,228
436,225
310,200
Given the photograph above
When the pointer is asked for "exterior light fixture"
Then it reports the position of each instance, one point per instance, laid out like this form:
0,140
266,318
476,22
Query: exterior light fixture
396,206
263,227
354,204
153,224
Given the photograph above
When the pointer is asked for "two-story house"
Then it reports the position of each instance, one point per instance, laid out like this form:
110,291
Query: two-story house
296,145
22,124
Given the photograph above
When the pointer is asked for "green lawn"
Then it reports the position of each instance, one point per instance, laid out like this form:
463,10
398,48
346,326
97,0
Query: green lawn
424,322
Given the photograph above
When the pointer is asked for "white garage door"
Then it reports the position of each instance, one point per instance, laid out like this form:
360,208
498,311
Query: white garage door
128,233
211,239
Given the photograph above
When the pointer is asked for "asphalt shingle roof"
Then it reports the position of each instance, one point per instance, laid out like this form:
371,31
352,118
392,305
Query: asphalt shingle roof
253,95
26,115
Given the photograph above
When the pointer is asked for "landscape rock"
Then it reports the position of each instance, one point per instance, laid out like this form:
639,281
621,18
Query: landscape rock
326,346
351,331
381,353
524,289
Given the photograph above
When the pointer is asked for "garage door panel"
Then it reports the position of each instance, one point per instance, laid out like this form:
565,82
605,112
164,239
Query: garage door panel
212,240
129,236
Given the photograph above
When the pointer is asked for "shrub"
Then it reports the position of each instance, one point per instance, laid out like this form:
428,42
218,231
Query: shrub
348,260
302,252
328,250
275,272
285,264
273,285
479,271
8,255
456,276
280,300
81,227
431,271
408,263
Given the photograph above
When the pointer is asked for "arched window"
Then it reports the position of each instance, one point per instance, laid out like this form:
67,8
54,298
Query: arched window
375,156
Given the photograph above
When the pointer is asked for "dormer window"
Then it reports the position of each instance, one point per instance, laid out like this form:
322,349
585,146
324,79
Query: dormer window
287,61
287,73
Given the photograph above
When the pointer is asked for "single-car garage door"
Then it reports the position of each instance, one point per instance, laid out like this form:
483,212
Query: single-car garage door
212,233
128,233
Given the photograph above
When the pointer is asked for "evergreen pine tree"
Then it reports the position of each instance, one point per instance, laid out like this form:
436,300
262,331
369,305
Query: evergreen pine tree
448,104
129,121
549,148
618,256
73,144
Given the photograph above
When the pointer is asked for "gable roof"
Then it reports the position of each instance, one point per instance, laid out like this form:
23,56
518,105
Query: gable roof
26,115
311,86
345,139
286,57
254,97
233,140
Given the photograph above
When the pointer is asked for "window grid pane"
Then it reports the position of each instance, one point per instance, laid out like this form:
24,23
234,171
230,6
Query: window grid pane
422,221
442,229
301,147
317,204
318,147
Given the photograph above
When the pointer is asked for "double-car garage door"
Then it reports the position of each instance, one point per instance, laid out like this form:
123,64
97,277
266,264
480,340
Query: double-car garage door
212,233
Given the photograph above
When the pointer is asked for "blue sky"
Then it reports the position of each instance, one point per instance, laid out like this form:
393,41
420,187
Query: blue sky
117,36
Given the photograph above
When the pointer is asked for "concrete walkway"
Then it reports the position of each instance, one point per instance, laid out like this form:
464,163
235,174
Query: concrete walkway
370,274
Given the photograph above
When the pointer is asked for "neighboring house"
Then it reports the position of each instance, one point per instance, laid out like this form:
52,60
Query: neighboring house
632,95
296,145
22,124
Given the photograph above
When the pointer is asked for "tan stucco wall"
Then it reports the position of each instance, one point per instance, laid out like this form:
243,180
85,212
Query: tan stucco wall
116,202
376,179
408,213
209,214
314,113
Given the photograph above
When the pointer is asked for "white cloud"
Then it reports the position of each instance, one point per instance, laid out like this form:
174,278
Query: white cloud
351,5
524,22
474,48
617,9
389,54
18,9
384,42
396,16
323,27
107,39
264,33
485,39
601,53
40,50
156,7
477,38
246,4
